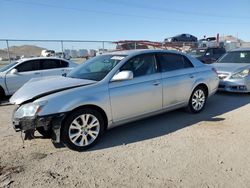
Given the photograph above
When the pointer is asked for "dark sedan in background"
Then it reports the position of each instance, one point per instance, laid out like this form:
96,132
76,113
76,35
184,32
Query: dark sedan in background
208,55
182,38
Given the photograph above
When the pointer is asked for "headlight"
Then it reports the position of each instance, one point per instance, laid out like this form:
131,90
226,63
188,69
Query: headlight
241,74
29,110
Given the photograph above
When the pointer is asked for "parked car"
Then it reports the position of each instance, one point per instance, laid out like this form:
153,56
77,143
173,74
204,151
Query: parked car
48,53
208,55
17,73
110,90
207,42
182,38
62,55
234,71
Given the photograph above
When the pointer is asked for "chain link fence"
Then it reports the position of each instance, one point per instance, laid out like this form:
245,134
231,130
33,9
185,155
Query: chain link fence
80,50
75,50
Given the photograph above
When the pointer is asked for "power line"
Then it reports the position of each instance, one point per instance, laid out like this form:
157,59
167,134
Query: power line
120,14
161,9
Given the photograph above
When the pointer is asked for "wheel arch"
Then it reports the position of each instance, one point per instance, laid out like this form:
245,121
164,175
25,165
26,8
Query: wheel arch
94,107
203,85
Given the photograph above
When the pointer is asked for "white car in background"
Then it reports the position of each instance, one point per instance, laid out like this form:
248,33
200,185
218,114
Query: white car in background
16,74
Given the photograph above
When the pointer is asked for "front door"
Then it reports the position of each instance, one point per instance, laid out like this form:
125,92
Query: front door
142,94
25,71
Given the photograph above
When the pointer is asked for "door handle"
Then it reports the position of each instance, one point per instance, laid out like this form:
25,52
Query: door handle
191,76
37,73
156,83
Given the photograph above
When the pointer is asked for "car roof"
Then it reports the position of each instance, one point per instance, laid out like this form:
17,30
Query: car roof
37,58
183,34
240,49
213,47
140,51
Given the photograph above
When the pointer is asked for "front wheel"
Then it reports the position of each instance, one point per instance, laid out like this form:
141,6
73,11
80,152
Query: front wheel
2,94
197,100
82,129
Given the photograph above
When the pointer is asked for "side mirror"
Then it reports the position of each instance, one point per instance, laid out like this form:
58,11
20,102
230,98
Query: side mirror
123,75
13,71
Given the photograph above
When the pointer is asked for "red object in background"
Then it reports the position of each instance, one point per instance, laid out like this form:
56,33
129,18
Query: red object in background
217,39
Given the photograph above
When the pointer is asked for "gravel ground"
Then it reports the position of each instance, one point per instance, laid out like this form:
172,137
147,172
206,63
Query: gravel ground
175,149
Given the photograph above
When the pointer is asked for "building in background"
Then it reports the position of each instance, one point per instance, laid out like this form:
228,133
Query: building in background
73,53
83,53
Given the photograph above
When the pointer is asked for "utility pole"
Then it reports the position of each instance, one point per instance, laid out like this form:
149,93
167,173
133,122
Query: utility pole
8,49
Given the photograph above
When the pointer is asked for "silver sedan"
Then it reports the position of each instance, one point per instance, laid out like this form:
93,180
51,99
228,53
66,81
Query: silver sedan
110,90
234,71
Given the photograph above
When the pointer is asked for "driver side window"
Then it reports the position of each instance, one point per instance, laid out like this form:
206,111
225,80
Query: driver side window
141,65
209,52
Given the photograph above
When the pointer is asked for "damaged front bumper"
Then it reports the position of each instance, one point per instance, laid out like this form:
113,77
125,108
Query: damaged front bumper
49,122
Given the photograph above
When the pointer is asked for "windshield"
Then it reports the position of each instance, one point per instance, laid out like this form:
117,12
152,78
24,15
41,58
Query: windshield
6,67
96,68
197,53
236,57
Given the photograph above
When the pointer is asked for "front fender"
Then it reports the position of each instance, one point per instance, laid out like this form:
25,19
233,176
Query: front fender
66,101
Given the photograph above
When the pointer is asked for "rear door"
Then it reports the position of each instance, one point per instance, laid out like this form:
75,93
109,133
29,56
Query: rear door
142,94
178,75
54,67
26,71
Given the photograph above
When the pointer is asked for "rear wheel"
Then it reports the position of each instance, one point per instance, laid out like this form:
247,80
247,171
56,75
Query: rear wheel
197,100
82,129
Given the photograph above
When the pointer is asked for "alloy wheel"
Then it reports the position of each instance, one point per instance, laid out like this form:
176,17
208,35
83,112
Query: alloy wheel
84,130
198,99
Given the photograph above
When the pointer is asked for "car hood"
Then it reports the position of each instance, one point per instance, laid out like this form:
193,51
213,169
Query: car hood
230,67
37,88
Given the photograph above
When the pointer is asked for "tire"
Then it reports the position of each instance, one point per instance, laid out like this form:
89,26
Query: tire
44,133
2,94
82,129
197,100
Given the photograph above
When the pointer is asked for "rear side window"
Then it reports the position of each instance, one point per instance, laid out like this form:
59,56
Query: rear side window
27,66
170,62
64,64
53,64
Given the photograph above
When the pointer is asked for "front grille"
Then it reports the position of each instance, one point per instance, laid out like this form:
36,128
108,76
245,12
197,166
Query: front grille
239,88
222,86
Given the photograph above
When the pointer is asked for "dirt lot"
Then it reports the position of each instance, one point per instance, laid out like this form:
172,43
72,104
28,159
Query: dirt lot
174,149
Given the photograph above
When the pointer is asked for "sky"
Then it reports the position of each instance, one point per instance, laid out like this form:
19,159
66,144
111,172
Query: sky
122,19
